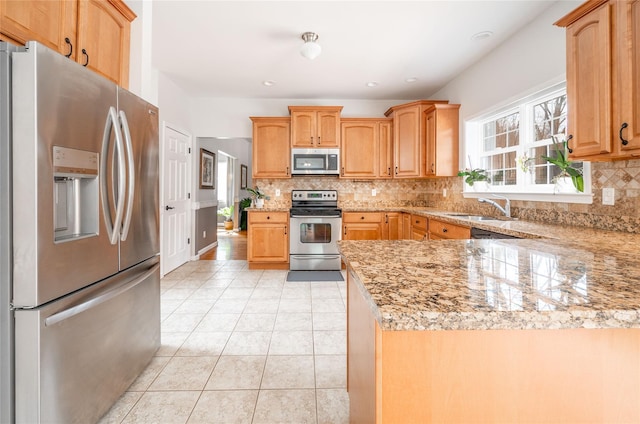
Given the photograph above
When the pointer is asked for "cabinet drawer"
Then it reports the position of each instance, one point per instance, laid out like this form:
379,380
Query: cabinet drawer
268,217
448,231
419,222
362,217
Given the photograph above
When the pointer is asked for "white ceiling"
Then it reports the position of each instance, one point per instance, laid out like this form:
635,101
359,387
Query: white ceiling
228,48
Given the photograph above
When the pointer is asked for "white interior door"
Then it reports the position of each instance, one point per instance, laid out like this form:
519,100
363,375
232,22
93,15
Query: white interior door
176,202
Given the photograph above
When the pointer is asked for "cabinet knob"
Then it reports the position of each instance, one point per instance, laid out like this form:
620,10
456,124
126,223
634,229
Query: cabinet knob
569,149
362,217
444,230
622,127
268,217
66,40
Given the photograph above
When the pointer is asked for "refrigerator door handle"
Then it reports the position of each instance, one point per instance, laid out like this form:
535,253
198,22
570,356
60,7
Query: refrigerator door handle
92,303
131,178
112,226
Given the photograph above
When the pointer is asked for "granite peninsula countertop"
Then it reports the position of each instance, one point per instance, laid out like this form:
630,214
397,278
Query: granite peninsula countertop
558,277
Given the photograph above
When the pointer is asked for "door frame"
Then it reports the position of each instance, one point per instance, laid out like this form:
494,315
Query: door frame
189,230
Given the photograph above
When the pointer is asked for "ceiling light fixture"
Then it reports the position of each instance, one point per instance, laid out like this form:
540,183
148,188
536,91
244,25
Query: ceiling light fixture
372,84
310,49
410,80
268,83
482,35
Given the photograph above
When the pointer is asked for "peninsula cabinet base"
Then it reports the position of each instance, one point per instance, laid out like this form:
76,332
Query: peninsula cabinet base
486,376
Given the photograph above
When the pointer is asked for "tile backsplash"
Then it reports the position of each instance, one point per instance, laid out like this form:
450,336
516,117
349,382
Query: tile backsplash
623,176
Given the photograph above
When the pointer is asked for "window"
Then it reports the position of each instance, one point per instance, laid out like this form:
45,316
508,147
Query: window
509,145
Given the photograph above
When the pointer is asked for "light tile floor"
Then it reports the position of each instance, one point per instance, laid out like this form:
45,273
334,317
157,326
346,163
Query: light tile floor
243,346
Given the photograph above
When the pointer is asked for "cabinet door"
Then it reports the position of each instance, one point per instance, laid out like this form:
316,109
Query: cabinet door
430,141
406,124
385,152
49,22
303,129
589,83
406,226
359,149
268,243
362,231
103,39
418,234
441,129
327,129
628,91
392,229
271,151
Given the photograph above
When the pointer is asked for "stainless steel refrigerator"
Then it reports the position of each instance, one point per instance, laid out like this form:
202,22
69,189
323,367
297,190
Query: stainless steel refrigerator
79,238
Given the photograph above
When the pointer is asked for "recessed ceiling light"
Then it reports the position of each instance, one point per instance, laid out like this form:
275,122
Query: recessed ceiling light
372,84
410,80
268,83
482,35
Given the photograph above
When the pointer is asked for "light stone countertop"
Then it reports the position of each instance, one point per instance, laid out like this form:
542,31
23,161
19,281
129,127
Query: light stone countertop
555,277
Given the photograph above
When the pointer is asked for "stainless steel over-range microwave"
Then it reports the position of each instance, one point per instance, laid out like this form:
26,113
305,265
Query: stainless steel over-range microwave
315,161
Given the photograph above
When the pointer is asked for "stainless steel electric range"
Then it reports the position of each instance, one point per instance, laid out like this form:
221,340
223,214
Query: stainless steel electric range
316,223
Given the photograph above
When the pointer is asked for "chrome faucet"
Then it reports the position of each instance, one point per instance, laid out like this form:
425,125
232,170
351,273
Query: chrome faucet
507,206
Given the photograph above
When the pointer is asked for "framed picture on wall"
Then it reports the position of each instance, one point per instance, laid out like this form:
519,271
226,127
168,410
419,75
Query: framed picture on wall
207,166
243,176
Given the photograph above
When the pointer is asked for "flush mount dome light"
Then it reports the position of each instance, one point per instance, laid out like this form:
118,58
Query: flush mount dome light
310,49
482,35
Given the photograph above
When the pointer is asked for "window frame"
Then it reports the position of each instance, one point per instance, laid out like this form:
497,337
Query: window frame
474,142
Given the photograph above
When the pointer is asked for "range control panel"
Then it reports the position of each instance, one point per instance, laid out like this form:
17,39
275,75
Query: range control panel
314,195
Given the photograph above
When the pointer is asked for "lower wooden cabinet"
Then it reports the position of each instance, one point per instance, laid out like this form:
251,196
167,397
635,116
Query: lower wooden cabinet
268,240
443,230
392,226
362,226
406,226
419,227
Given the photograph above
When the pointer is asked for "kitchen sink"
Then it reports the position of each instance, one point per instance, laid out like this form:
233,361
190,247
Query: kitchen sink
473,217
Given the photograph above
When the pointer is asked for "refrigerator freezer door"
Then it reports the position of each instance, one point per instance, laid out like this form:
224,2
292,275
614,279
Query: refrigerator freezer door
77,355
57,102
140,232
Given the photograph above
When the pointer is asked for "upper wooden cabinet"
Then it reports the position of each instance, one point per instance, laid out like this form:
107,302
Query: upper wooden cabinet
603,79
315,126
409,149
94,33
441,139
366,148
271,148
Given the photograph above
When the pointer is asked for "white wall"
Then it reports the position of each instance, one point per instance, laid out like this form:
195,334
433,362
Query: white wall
526,62
228,117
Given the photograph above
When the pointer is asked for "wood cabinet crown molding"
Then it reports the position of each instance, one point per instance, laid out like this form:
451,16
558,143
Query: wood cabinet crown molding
415,103
123,9
315,108
579,12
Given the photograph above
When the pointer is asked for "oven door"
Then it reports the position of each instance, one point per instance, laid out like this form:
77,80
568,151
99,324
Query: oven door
313,242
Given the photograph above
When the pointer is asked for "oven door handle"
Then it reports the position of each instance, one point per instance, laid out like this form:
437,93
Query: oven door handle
316,216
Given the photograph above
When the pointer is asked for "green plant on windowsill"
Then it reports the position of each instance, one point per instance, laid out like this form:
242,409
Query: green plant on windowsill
474,175
567,169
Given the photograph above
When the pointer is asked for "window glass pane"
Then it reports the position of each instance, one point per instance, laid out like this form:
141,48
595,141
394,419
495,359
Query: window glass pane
489,143
501,140
549,118
510,177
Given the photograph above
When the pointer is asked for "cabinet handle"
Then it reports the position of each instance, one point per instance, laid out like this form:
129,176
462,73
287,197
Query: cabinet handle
345,230
417,222
268,217
622,127
444,230
389,171
84,52
396,170
343,171
362,217
66,40
285,230
569,149
433,168
386,219
287,170
311,140
318,140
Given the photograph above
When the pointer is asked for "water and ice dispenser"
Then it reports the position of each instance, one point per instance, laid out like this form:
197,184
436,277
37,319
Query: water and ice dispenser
75,193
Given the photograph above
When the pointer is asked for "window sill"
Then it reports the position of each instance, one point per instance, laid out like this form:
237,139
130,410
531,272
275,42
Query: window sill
582,198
